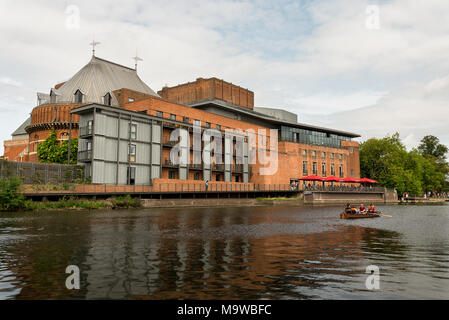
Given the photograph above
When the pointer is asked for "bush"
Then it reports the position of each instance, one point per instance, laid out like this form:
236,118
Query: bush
125,202
10,199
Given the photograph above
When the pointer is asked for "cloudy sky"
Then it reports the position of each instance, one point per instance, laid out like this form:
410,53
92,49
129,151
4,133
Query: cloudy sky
371,67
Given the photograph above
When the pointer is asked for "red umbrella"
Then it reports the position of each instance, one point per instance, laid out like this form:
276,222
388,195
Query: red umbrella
366,180
332,179
312,178
350,180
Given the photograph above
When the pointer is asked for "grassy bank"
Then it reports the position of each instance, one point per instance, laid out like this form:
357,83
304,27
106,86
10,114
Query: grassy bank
12,200
80,204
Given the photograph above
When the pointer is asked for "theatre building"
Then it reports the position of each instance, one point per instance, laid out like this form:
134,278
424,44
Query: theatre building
127,132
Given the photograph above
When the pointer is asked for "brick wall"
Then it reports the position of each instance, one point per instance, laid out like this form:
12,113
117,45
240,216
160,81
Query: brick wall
208,89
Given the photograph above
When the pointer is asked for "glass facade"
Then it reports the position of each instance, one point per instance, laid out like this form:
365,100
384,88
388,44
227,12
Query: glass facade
312,137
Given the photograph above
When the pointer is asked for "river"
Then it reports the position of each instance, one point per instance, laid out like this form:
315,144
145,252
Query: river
226,253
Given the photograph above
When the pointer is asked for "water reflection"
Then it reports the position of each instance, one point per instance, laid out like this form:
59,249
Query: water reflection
219,253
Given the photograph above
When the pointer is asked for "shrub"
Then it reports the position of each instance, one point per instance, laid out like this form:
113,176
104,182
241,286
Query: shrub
10,199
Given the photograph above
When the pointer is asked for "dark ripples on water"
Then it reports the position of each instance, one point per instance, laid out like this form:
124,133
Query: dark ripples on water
225,253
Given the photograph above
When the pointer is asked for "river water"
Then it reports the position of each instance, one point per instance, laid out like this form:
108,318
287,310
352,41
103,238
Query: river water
226,253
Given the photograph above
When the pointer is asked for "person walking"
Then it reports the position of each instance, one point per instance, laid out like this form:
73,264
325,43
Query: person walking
207,184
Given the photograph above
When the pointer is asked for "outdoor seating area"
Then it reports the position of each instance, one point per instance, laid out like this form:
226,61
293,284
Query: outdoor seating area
317,183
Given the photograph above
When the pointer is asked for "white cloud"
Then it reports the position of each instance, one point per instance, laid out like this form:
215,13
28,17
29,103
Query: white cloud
309,57
10,82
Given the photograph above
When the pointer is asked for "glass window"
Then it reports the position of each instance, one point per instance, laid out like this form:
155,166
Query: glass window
332,155
304,152
218,127
341,171
133,131
332,169
314,169
197,122
323,169
207,124
196,176
159,114
90,125
340,157
107,99
132,153
186,119
172,174
172,116
304,168
78,96
314,154
323,155
131,175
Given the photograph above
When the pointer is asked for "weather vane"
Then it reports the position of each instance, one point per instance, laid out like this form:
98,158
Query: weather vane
93,44
137,59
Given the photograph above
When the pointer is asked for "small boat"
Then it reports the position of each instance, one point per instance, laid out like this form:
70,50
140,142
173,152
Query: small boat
344,215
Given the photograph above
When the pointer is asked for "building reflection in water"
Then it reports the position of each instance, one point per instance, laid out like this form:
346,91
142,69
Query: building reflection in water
229,253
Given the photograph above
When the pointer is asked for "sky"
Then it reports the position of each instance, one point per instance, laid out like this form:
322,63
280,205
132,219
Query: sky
369,67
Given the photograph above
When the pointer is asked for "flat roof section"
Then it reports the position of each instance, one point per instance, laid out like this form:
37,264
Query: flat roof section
257,115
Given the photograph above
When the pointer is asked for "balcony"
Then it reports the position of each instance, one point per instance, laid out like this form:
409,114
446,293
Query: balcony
169,163
195,166
85,156
218,167
237,168
85,131
167,142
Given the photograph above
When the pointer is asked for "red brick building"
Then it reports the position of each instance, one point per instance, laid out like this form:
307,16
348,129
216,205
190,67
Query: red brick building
301,149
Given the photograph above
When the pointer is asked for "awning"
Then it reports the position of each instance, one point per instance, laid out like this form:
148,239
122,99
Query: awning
312,178
332,179
366,180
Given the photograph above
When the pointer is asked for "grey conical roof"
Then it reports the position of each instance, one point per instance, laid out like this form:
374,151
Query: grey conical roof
99,77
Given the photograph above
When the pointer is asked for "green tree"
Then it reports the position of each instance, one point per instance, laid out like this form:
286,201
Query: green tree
431,146
388,161
64,150
50,151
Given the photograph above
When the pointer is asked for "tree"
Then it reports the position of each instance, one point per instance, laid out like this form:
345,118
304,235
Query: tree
431,146
50,151
388,161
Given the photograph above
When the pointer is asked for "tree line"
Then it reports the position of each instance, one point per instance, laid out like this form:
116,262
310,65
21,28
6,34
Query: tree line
420,170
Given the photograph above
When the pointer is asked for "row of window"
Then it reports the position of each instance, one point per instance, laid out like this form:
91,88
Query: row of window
298,135
323,173
323,155
197,176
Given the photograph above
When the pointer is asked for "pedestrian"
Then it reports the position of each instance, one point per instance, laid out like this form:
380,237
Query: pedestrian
207,184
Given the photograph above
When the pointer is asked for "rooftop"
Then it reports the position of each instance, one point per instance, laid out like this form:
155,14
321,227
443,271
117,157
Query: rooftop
99,77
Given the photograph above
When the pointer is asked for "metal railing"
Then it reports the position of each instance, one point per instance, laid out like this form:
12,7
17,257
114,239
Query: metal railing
85,155
337,188
85,131
169,163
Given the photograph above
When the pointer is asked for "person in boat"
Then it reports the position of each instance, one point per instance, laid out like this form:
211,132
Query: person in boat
371,208
348,208
362,209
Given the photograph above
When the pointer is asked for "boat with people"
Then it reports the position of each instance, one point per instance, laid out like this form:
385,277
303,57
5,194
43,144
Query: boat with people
345,215
351,212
